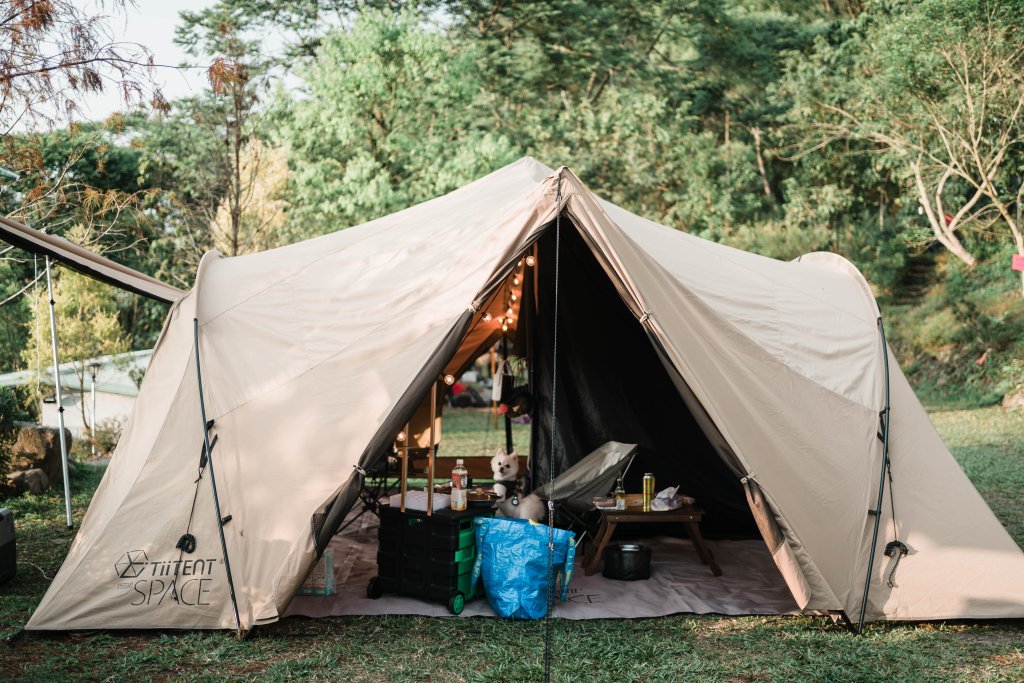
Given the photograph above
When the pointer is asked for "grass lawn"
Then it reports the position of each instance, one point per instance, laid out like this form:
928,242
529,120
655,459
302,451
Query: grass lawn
988,443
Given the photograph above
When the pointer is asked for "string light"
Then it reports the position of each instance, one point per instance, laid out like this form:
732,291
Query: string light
520,264
504,328
449,379
530,261
514,297
515,280
487,317
401,436
509,312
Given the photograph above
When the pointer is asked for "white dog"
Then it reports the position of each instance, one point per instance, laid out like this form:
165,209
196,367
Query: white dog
505,467
519,506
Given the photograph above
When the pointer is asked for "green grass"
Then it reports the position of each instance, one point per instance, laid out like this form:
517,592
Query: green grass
988,443
474,432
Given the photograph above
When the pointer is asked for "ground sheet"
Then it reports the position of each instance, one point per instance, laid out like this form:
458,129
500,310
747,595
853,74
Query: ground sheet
750,584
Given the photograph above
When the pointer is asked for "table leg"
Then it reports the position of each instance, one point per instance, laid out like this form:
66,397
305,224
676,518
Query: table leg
702,550
604,534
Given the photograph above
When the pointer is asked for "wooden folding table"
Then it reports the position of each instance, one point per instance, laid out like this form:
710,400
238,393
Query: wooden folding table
687,515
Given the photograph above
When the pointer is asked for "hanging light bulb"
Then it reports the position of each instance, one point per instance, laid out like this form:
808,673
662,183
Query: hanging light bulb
514,297
504,328
401,436
449,379
530,260
487,317
509,312
515,280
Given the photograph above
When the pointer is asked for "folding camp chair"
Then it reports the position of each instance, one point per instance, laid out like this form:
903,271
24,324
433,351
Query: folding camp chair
575,489
380,479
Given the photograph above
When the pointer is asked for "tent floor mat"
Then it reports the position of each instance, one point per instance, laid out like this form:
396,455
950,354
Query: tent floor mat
679,583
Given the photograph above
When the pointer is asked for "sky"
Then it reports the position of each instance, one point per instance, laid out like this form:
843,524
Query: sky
150,23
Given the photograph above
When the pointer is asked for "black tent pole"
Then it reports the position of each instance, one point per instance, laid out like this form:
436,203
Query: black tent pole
881,479
213,478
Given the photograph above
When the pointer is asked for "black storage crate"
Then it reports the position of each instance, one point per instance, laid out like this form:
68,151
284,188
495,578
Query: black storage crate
428,557
8,547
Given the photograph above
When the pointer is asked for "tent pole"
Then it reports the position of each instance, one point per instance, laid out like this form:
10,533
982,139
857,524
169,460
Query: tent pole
60,398
881,479
430,450
509,446
405,464
213,478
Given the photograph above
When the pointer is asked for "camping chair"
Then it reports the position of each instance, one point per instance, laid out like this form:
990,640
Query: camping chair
380,479
575,489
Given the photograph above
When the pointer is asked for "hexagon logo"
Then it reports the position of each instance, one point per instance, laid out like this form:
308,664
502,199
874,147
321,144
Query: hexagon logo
131,564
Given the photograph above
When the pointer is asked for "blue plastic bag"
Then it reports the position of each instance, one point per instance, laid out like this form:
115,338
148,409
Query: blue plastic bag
512,559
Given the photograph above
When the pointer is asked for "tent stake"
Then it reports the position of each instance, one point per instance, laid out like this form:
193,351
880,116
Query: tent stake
213,478
60,398
881,480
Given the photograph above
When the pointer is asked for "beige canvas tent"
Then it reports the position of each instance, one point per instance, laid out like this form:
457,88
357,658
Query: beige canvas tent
314,356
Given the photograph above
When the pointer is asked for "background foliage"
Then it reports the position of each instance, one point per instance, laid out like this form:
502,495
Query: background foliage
776,126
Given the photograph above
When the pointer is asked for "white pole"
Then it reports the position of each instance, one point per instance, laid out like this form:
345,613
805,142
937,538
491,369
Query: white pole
60,398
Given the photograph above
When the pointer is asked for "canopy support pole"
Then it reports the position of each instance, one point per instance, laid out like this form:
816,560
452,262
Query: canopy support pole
213,478
509,446
60,398
881,479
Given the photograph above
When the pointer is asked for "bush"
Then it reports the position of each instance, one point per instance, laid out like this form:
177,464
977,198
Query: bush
12,411
105,438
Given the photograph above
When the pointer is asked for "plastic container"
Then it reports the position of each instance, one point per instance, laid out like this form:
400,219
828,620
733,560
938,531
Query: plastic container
627,562
321,579
430,558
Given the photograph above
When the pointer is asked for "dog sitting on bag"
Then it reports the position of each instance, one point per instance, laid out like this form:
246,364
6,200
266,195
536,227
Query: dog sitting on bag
507,485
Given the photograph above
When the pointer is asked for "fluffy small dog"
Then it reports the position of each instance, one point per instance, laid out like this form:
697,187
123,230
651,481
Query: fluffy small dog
505,467
519,506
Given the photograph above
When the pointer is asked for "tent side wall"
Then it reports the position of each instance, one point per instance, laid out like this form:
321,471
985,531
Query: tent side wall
123,570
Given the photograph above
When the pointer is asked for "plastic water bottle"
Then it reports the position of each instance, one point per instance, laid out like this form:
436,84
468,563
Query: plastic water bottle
460,486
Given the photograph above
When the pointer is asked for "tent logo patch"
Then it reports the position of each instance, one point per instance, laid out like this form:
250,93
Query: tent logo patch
152,583
131,564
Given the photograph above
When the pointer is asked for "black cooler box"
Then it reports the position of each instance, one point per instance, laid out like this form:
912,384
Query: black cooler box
8,553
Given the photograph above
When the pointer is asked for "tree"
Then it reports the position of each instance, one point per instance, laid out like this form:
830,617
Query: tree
394,114
227,165
52,51
87,323
88,175
941,92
